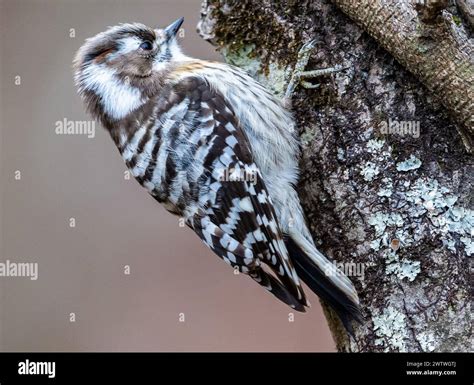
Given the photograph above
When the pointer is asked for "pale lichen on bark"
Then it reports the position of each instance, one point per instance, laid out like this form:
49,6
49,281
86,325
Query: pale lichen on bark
400,205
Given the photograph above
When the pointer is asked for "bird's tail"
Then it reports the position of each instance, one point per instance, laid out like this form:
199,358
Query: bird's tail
324,279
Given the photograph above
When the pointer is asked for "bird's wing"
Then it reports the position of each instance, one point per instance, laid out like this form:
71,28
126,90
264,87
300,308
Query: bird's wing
235,216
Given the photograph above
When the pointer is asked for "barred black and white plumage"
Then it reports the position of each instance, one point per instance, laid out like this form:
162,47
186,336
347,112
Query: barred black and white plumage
215,147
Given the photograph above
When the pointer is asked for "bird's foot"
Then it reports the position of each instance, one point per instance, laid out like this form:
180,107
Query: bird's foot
299,75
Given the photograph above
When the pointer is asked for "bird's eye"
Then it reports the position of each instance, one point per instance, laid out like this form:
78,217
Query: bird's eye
146,45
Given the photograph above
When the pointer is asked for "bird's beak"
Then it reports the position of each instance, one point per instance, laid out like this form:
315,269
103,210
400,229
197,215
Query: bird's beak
172,29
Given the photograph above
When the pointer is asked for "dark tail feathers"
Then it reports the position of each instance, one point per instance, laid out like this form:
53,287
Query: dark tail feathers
320,284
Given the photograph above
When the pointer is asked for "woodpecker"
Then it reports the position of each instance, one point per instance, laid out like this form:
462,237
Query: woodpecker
218,149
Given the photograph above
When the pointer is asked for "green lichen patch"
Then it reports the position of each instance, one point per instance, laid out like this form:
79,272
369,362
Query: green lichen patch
427,341
439,216
375,145
409,164
401,268
370,171
390,329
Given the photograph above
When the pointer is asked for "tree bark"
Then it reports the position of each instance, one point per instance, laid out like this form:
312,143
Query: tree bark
466,8
378,196
428,41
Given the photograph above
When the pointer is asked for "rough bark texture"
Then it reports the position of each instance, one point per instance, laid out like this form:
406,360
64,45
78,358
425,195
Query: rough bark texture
431,43
397,205
466,7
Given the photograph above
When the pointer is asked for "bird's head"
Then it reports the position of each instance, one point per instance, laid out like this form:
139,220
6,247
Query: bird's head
116,69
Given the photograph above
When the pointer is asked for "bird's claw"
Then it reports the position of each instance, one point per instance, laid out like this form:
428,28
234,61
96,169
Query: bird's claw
299,72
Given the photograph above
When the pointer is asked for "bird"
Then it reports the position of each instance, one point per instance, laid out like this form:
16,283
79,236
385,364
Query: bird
218,149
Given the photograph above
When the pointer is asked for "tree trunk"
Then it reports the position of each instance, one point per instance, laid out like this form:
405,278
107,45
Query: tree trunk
386,182
430,43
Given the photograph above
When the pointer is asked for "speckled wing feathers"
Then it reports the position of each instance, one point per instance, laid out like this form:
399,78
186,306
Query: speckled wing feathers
235,217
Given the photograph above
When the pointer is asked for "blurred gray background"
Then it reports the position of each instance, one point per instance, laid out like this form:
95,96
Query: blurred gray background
81,268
